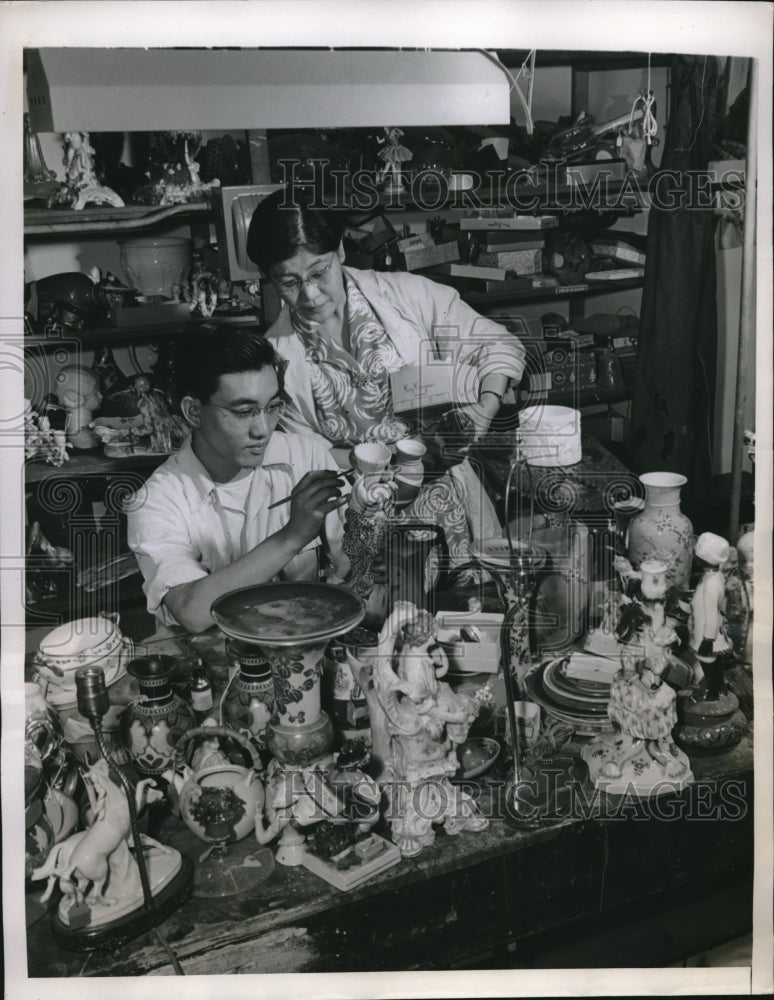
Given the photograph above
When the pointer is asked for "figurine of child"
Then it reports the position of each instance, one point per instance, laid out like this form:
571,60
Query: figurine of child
708,638
79,392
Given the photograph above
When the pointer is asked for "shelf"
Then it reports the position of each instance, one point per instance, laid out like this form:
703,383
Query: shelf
99,219
576,398
141,333
559,292
87,464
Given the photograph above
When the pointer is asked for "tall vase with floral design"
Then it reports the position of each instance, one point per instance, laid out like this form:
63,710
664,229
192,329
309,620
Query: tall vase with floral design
662,531
300,732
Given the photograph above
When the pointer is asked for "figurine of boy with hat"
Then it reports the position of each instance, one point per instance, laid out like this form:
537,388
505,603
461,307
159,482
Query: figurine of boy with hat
708,638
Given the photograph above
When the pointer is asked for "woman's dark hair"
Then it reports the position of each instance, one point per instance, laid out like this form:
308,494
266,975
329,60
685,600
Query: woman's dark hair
206,354
285,222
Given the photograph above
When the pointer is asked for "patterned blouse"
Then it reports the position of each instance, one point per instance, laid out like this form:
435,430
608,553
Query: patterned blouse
351,389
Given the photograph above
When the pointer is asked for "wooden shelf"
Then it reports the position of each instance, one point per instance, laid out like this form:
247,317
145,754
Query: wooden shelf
559,292
99,219
141,333
87,464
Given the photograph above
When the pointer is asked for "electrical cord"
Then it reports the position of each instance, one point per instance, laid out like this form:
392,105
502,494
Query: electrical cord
96,723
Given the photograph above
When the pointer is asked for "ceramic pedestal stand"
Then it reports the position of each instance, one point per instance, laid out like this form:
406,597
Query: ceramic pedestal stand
292,624
111,893
707,725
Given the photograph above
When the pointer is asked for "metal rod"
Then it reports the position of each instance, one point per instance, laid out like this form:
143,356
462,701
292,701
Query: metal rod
747,310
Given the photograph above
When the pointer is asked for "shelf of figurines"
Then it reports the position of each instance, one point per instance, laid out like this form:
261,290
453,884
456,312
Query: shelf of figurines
293,736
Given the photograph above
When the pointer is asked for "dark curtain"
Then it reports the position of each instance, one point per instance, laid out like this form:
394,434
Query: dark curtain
673,402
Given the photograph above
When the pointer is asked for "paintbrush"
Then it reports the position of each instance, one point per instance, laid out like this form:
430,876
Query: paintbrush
279,503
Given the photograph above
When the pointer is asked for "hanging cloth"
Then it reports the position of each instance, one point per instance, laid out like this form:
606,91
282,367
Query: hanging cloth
674,394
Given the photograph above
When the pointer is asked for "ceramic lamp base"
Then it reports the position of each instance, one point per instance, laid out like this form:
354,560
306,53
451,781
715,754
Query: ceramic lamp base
113,929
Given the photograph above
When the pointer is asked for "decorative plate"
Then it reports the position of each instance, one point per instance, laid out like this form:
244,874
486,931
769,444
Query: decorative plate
287,614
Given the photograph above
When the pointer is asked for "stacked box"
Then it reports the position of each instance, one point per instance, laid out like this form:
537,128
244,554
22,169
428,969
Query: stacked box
527,260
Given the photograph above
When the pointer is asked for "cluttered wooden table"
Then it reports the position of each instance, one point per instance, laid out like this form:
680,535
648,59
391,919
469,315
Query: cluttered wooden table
617,882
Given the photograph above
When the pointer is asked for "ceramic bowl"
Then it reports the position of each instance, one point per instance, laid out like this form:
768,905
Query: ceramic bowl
76,644
476,756
156,265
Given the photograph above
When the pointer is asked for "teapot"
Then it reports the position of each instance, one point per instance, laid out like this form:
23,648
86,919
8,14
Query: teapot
217,799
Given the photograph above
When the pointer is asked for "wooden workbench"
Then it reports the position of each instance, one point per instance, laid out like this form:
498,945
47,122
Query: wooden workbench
637,884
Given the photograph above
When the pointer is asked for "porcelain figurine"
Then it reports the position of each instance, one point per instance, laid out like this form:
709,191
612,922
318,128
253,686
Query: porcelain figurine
640,756
393,155
79,392
710,713
95,868
81,186
426,721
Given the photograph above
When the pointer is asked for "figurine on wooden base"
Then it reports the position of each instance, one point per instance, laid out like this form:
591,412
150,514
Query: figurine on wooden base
710,714
641,757
95,868
426,721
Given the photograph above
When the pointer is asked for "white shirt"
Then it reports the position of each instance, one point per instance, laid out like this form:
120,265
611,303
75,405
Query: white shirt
180,532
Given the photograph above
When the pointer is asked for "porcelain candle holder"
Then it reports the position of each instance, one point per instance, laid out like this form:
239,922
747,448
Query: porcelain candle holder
662,531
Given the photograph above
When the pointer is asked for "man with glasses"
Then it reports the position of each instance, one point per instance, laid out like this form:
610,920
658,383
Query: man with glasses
208,521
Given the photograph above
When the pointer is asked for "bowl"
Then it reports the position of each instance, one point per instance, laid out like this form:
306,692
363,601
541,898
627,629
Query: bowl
476,756
156,265
79,643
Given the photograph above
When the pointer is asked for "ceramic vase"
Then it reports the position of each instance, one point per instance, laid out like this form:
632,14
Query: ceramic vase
662,531
151,726
249,701
299,732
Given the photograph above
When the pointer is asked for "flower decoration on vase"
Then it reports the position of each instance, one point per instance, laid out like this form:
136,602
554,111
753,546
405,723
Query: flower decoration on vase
81,186
640,756
426,721
710,713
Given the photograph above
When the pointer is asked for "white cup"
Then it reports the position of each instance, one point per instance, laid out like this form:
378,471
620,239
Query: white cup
371,456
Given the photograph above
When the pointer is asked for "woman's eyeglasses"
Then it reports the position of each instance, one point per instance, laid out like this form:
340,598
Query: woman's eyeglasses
292,286
247,414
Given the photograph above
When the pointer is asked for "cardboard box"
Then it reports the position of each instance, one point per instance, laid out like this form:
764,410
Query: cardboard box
436,382
526,261
429,254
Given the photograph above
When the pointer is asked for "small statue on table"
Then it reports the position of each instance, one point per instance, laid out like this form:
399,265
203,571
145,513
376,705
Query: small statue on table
640,756
711,717
95,868
426,721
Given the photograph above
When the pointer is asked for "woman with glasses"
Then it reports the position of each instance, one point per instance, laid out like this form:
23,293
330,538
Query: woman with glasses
343,331
212,518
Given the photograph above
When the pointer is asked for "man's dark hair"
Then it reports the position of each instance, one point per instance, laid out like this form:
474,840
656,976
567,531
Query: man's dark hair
285,222
209,352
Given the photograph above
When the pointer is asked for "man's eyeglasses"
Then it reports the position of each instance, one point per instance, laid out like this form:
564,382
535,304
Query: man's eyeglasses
247,414
318,277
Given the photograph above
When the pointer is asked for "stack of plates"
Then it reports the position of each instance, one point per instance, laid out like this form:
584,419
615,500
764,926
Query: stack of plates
577,703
